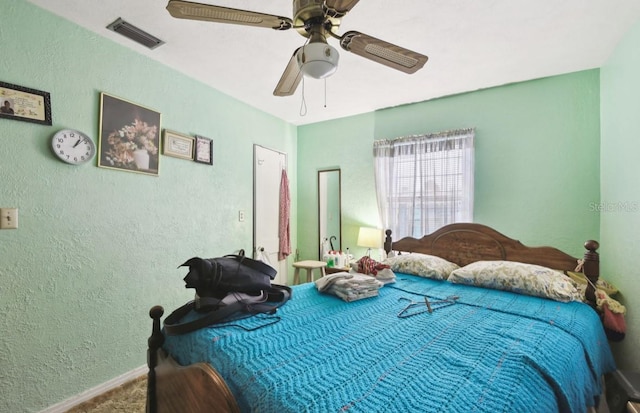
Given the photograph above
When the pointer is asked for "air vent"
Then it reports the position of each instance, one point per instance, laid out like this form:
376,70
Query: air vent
137,35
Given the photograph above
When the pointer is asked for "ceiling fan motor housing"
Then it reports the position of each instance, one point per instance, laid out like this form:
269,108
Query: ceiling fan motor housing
310,12
318,60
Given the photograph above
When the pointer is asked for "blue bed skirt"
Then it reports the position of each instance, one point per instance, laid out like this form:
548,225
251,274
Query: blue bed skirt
491,351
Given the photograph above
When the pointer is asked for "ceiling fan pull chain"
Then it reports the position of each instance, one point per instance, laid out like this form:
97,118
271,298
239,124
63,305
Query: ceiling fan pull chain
325,92
303,105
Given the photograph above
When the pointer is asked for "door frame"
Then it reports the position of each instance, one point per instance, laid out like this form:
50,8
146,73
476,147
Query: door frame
280,266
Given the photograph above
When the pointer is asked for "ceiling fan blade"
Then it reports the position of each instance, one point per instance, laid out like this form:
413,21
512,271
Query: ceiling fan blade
383,52
290,78
207,12
338,8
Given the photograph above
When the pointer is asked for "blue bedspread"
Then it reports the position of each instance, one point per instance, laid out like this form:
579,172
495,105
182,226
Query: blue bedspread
491,351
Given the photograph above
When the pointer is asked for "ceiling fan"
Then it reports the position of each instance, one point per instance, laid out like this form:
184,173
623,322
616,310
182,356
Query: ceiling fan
315,20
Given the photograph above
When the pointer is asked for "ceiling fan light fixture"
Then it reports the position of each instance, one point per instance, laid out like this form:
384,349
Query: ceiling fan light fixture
318,60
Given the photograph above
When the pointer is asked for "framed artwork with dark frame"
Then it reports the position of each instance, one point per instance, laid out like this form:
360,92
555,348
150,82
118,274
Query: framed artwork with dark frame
129,136
204,150
177,145
26,104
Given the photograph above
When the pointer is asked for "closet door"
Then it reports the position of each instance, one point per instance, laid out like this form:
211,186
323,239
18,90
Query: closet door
267,172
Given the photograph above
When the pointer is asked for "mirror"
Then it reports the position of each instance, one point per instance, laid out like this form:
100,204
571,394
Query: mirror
329,216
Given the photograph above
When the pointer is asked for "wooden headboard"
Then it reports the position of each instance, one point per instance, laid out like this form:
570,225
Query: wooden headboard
464,243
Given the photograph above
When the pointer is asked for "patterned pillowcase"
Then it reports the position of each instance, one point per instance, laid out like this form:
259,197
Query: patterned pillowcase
518,277
423,265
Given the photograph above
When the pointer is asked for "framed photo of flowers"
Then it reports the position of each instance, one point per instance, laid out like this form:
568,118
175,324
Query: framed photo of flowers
129,136
204,150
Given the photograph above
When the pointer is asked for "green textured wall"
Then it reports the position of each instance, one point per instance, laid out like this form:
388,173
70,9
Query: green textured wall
620,217
537,159
96,248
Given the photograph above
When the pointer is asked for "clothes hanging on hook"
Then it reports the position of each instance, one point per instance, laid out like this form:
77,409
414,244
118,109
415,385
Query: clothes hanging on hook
283,225
324,247
261,255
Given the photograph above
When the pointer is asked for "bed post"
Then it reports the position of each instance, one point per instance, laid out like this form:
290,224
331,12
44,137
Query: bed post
591,269
387,241
155,342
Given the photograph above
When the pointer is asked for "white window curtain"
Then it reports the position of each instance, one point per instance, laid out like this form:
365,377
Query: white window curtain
424,182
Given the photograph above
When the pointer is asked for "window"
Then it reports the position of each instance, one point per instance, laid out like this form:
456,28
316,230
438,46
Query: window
424,182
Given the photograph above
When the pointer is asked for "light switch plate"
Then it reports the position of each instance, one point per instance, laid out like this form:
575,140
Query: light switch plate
8,218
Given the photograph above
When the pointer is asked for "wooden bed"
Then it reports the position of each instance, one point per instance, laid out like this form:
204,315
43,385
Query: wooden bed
199,388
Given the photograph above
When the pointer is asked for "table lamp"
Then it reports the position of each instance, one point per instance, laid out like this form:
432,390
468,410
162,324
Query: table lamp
369,238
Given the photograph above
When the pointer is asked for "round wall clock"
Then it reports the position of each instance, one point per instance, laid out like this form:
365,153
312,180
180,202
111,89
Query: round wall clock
72,146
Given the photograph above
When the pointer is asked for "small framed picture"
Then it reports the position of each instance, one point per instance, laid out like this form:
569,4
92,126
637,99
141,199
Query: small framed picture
177,145
204,150
26,104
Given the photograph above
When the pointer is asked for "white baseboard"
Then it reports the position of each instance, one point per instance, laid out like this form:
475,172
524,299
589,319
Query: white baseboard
65,405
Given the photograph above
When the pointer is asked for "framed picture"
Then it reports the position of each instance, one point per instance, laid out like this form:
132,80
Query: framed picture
23,103
204,150
129,136
177,145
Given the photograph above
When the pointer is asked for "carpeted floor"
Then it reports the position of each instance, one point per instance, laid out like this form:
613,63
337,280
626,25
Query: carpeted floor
129,397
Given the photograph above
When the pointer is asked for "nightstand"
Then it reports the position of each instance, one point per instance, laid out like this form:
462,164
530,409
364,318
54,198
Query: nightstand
623,391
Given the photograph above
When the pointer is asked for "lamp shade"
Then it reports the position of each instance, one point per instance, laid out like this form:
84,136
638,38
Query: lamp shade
370,237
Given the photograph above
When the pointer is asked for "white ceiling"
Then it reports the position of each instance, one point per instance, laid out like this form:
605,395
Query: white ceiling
471,44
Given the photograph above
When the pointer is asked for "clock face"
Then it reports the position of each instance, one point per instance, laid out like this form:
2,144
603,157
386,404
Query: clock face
72,146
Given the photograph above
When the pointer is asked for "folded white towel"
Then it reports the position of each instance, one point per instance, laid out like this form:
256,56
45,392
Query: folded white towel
323,283
385,275
349,286
358,289
349,297
356,284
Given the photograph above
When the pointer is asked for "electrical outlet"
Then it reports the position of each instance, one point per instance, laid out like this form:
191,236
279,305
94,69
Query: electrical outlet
241,216
8,218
